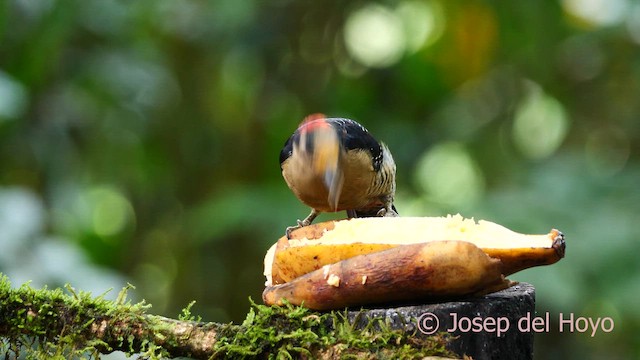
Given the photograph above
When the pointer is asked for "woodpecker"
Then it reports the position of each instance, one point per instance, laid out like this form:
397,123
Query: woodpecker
334,164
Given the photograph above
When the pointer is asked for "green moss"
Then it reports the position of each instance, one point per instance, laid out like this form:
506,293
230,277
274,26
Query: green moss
185,314
59,324
291,332
52,324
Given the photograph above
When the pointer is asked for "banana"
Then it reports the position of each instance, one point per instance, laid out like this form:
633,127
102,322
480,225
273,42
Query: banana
435,270
363,261
312,247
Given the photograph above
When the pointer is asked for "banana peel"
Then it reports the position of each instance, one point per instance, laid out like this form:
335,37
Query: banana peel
436,270
379,260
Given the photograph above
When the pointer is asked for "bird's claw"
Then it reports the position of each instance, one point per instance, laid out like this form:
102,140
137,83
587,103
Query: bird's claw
289,229
301,224
386,212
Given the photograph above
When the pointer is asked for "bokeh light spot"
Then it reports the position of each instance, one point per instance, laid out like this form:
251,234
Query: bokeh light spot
449,175
13,97
423,23
597,12
111,211
374,36
22,216
540,124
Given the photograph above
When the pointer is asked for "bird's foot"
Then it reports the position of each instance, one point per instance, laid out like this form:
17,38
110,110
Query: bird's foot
289,229
302,223
387,212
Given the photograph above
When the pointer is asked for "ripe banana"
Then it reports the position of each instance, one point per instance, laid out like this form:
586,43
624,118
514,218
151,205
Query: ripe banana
373,260
435,270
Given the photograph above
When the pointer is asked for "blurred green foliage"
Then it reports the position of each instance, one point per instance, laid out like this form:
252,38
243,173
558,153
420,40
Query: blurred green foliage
139,140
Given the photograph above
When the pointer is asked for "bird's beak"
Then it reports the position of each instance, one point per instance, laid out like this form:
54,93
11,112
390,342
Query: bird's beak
333,180
326,163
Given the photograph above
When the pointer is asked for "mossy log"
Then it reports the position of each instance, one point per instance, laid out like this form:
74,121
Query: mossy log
69,324
58,324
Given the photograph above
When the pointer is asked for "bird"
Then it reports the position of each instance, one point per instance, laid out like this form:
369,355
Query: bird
335,164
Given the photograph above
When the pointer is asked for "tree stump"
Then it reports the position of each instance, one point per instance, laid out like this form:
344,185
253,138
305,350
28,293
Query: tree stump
478,324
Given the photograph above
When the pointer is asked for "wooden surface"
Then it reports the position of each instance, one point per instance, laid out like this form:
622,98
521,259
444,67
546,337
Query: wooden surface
482,319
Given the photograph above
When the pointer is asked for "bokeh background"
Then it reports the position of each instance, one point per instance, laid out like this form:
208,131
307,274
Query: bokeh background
139,141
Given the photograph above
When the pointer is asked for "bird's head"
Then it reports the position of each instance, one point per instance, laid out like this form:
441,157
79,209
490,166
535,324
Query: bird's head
320,143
